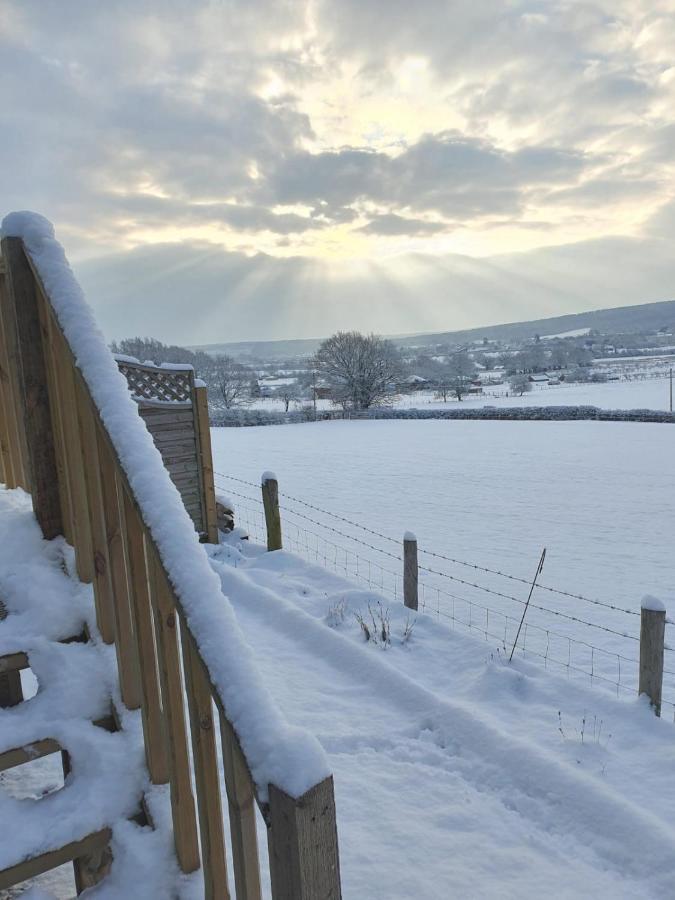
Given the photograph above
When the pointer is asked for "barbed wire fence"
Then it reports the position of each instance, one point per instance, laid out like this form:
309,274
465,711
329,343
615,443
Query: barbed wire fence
560,638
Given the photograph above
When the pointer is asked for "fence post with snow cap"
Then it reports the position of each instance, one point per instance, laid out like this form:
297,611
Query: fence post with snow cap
652,634
270,495
410,570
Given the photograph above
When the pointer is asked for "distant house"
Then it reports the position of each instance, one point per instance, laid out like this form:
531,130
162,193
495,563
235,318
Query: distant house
323,392
539,378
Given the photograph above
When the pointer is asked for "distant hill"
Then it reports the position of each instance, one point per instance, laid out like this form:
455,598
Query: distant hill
618,320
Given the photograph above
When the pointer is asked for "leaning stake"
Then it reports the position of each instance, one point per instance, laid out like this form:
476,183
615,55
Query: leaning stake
529,597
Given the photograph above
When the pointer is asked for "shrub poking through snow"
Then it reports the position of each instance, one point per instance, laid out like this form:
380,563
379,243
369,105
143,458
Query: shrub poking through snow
378,629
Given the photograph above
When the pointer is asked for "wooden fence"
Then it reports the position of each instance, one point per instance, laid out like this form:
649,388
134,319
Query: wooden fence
55,444
175,411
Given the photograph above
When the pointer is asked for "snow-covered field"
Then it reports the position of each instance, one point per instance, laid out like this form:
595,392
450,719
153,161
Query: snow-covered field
597,495
457,774
641,393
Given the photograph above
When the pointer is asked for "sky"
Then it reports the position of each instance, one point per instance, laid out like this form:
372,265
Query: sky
222,171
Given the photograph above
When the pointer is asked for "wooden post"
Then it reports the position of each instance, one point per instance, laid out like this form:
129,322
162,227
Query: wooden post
652,634
410,570
36,411
303,844
205,459
270,494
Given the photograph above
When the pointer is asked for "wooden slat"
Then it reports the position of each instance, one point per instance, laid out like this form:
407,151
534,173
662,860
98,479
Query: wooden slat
97,529
37,420
182,801
13,662
125,646
153,728
29,752
242,814
36,865
207,779
165,418
82,542
206,464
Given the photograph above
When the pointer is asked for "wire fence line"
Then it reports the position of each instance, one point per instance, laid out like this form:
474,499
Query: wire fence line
568,652
432,553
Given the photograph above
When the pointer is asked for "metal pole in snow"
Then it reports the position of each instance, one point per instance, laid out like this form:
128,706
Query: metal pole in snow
529,597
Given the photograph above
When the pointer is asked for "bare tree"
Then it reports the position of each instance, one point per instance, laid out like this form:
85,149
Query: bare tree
456,375
229,382
286,393
520,384
359,368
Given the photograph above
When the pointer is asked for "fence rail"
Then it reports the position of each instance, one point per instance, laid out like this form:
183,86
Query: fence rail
58,443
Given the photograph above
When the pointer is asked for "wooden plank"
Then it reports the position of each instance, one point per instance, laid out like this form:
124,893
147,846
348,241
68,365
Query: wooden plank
97,529
207,779
11,691
37,421
182,801
17,436
13,662
242,814
303,844
203,433
37,865
29,752
125,646
171,434
165,418
153,727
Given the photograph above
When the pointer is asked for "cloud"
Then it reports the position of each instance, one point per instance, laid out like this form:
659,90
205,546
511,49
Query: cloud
265,139
392,224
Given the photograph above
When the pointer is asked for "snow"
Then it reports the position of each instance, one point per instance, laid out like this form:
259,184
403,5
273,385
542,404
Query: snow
267,476
596,494
290,758
575,332
653,604
505,780
409,536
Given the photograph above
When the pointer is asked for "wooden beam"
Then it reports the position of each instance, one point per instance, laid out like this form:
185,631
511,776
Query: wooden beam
37,865
17,756
36,410
303,845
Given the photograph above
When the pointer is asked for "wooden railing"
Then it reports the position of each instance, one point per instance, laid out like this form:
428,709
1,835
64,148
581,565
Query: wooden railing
55,444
